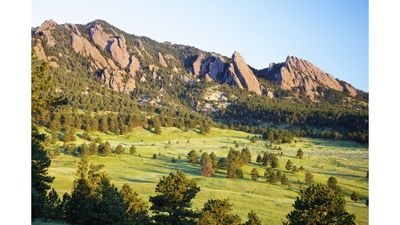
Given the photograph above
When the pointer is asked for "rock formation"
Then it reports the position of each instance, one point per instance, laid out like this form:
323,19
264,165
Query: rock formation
45,31
161,60
301,74
242,75
117,48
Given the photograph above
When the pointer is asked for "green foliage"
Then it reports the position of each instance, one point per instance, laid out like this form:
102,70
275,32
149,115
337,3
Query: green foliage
192,157
94,200
300,154
172,204
234,162
105,149
207,168
319,204
136,208
333,183
218,212
289,165
252,219
84,149
132,150
254,174
355,196
309,178
284,180
119,150
40,179
245,155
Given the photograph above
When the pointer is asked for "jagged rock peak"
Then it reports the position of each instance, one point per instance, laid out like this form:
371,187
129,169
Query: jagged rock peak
244,74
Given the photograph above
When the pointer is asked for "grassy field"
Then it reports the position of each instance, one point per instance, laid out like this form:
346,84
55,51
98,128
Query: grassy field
347,161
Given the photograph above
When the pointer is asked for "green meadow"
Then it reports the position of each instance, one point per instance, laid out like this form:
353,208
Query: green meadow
347,161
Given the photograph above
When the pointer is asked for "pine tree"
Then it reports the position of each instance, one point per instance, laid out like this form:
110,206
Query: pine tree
245,155
319,204
136,208
157,125
284,180
274,161
300,153
173,203
252,219
83,149
40,179
214,161
309,179
192,157
119,150
93,148
206,165
289,165
355,196
132,150
218,212
333,183
254,174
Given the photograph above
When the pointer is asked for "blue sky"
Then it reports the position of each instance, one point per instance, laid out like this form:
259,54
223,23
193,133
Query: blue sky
332,34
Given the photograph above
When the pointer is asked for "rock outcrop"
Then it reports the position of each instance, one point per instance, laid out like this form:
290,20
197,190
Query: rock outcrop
240,73
134,65
39,51
99,37
117,48
296,73
45,31
161,60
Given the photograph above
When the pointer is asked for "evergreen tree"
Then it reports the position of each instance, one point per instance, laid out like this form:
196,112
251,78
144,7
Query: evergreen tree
252,219
94,200
284,180
355,196
289,165
245,155
218,212
136,208
154,156
319,204
93,148
105,149
207,169
274,161
309,179
119,150
40,179
259,158
333,183
157,125
192,157
300,153
83,149
132,150
214,161
254,174
173,203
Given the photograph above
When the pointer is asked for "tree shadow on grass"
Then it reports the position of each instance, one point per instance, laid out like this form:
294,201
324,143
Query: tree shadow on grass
136,180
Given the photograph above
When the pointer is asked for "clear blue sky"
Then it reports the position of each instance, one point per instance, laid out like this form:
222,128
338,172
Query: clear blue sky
332,34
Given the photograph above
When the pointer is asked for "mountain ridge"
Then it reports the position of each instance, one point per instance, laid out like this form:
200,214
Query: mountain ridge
122,61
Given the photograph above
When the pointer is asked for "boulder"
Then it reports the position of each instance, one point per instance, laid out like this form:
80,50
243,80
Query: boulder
240,73
45,31
117,48
161,60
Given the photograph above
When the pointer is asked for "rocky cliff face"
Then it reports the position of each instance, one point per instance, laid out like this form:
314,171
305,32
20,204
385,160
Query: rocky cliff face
122,61
237,73
299,74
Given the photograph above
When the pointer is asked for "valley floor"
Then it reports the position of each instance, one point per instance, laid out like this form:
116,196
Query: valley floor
347,161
